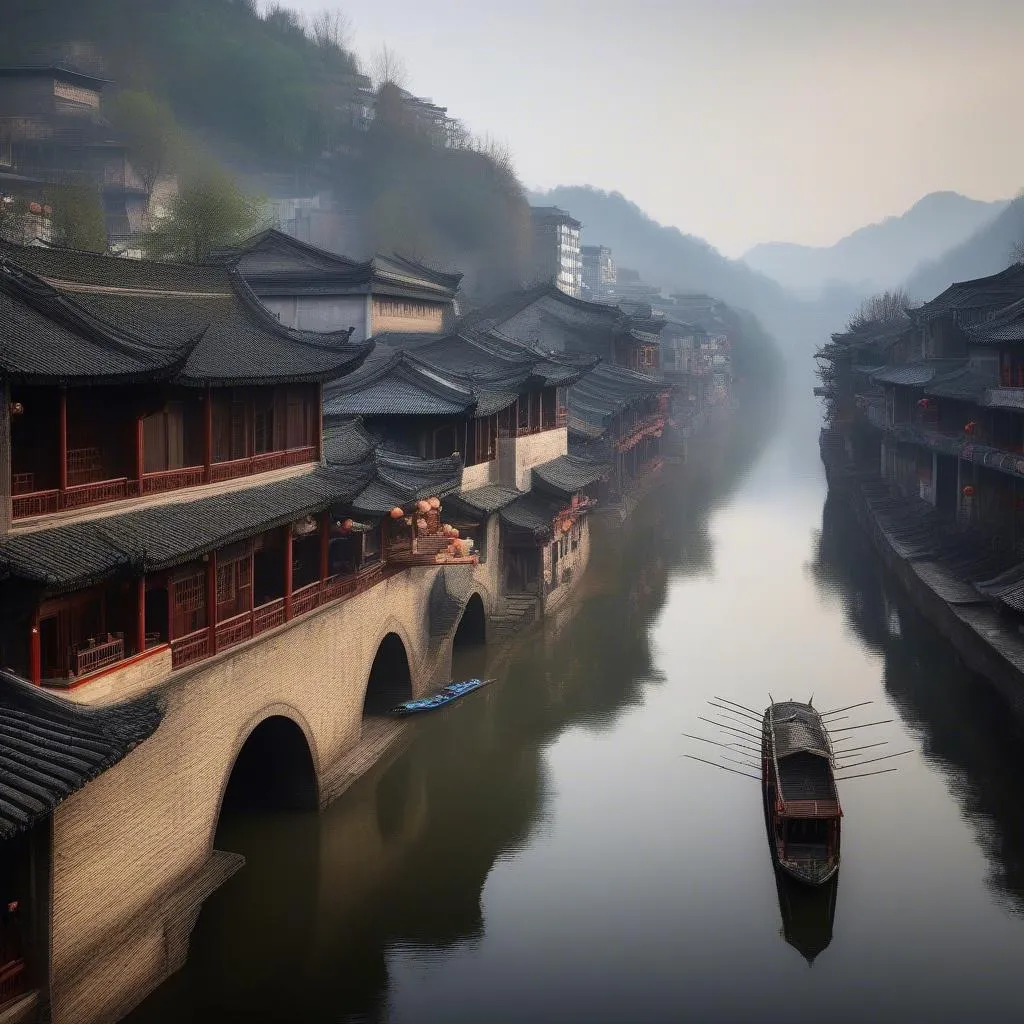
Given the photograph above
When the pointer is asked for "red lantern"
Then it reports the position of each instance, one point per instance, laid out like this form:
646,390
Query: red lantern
347,525
969,428
923,403
397,513
968,491
35,208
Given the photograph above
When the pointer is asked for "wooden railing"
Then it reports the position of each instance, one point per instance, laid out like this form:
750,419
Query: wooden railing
12,981
187,650
172,479
79,494
97,656
235,630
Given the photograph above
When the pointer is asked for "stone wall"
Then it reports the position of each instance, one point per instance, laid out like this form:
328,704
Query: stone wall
570,566
141,833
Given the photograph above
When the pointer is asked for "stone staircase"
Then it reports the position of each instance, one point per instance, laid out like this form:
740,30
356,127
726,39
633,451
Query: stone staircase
517,612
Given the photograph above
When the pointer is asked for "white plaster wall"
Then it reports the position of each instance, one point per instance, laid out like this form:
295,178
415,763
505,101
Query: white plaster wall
321,313
480,476
517,456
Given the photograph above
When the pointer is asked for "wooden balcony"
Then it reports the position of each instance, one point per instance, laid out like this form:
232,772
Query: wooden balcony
27,501
195,647
95,655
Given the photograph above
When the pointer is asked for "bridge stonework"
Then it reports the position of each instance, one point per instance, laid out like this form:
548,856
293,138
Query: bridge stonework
133,855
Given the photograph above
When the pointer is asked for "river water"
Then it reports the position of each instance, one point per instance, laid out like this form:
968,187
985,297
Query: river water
545,852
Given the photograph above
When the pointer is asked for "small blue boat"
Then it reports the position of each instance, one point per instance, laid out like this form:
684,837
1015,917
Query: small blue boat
450,693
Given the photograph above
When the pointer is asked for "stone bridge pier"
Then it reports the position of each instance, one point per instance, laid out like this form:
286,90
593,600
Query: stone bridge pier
133,852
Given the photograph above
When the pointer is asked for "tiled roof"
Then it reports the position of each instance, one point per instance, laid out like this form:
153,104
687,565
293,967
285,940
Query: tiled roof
400,479
1004,398
48,336
965,384
392,384
532,513
916,374
50,748
568,474
609,389
489,498
275,262
79,554
235,340
992,292
1006,325
346,442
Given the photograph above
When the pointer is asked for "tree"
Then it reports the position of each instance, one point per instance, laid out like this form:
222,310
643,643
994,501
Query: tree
331,30
78,218
209,212
387,68
151,132
885,308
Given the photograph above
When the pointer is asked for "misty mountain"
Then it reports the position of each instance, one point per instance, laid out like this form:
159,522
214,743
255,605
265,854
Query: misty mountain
879,255
675,261
986,252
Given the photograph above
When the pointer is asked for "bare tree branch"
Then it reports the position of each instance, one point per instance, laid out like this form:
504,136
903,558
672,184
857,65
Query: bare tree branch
331,30
886,308
388,68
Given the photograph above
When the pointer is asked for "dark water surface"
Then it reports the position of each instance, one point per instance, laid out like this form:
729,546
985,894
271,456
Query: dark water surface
544,852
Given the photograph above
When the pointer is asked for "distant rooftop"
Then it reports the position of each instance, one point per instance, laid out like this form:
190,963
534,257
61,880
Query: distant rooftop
554,213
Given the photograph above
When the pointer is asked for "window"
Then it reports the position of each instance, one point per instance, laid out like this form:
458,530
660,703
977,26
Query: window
188,604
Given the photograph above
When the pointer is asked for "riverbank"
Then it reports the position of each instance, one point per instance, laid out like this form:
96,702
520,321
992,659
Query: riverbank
935,576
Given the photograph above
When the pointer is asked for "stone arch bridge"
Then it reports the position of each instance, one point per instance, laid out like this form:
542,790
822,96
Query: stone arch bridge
133,852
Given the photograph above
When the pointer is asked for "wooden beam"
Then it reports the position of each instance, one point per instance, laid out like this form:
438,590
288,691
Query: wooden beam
62,440
139,451
325,545
207,433
211,603
140,615
35,653
288,572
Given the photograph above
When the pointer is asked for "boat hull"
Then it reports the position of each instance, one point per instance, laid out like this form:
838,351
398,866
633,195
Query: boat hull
444,697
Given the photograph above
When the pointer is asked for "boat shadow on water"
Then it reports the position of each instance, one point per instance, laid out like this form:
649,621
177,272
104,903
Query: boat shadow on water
808,914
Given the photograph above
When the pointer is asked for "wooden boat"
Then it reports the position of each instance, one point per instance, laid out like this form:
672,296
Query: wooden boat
451,692
802,811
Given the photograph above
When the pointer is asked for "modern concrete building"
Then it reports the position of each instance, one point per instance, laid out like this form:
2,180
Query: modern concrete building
557,257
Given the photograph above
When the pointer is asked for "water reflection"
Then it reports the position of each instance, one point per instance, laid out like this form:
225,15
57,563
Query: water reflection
808,914
964,726
306,930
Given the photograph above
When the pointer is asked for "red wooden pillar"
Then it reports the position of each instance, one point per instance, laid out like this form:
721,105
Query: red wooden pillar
62,440
211,602
325,545
207,434
140,463
35,653
140,615
287,572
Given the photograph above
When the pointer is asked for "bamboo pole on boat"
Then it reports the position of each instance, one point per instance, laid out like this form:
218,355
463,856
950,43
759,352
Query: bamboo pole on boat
867,746
864,775
835,711
735,771
872,760
725,700
744,714
864,725
719,725
728,746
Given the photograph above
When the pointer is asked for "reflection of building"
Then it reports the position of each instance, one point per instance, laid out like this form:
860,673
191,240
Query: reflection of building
599,275
52,133
556,249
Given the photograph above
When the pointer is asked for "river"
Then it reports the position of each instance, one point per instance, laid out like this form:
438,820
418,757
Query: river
545,852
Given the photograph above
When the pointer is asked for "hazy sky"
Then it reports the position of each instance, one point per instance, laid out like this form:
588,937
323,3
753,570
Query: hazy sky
737,120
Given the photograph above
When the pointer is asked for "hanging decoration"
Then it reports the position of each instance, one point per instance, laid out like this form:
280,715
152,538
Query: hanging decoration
397,513
970,427
968,491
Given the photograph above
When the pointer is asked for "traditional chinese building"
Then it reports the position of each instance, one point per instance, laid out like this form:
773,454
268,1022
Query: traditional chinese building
52,132
309,288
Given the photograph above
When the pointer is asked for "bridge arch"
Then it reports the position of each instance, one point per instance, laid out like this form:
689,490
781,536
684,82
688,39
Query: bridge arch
274,768
390,679
472,628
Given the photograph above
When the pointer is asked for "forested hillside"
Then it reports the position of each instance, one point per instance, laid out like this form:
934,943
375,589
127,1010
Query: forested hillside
269,93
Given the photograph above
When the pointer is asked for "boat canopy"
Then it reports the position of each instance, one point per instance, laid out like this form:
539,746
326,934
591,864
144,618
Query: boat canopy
797,729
